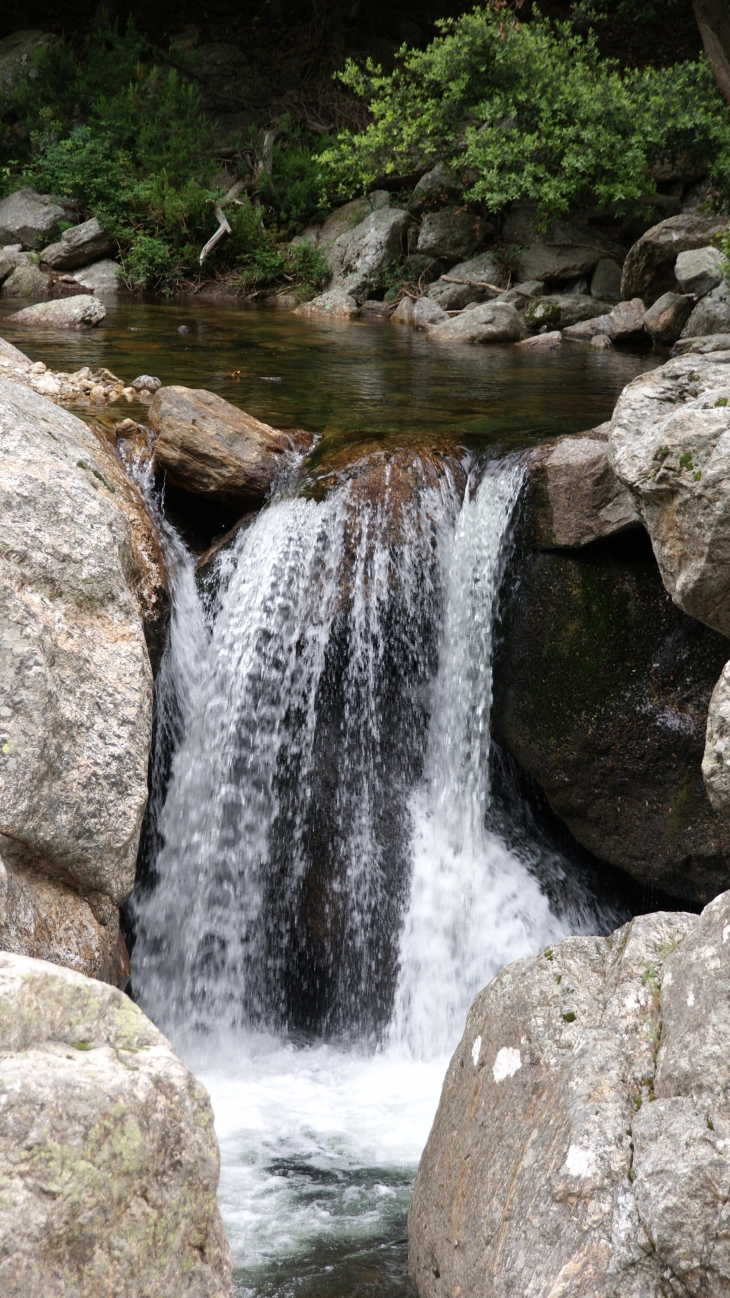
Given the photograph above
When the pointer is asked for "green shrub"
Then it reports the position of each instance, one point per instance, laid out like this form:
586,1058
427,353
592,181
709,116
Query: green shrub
293,191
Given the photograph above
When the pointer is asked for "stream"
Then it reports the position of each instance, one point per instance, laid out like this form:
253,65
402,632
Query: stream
324,644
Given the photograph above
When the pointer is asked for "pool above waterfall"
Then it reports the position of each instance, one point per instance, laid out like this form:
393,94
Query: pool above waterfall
329,888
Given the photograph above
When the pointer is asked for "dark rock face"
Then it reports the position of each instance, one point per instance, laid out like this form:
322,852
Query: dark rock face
601,693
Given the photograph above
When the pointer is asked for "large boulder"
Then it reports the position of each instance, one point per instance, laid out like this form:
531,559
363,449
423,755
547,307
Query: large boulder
492,322
666,319
336,302
670,445
606,280
79,312
359,257
208,446
580,1144
344,220
560,310
108,1159
452,234
78,246
26,281
575,497
649,267
80,576
601,689
566,250
467,282
711,315
103,277
29,218
436,187
700,270
702,345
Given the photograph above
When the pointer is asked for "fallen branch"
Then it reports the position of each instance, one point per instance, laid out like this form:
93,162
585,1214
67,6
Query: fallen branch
480,283
223,226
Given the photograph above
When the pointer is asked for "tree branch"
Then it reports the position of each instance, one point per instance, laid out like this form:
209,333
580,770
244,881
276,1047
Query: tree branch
713,20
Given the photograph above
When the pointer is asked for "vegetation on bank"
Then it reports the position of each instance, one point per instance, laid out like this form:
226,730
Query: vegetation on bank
522,110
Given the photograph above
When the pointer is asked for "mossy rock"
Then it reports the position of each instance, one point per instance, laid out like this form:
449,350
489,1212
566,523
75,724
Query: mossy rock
601,692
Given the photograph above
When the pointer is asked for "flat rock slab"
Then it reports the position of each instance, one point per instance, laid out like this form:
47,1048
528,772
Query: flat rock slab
80,312
580,1144
209,447
108,1159
492,322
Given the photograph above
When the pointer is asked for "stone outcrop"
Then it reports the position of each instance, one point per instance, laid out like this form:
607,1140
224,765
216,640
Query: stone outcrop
208,446
492,322
108,1159
466,282
601,690
580,1145
575,497
359,257
670,445
452,234
81,581
711,315
649,267
29,218
79,312
78,246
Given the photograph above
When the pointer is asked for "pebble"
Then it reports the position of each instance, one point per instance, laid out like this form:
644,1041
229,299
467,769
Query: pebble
183,329
146,383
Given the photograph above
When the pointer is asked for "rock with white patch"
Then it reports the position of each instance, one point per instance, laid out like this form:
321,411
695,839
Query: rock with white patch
108,1159
582,1142
358,258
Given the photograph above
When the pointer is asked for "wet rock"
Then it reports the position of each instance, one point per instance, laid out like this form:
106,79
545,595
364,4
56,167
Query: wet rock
436,188
492,322
581,1138
711,315
699,271
359,257
666,319
109,1159
560,310
716,760
575,496
543,342
335,302
601,690
80,583
627,323
29,218
606,280
649,267
451,295
102,277
79,312
26,281
78,246
453,234
670,445
209,447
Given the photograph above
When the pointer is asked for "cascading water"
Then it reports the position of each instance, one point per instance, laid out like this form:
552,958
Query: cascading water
324,862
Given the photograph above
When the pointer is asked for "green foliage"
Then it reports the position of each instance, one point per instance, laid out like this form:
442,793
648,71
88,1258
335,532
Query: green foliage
293,191
528,111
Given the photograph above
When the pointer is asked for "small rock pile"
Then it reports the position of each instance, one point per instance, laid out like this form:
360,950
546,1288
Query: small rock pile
85,387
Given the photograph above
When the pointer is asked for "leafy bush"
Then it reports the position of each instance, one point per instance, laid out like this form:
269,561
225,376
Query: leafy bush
293,191
527,111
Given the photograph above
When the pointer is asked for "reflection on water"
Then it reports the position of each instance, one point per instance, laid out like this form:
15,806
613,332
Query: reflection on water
345,380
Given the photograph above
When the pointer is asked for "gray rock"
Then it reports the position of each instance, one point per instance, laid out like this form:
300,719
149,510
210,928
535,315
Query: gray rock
359,257
344,220
601,343
576,496
703,345
520,295
108,1159
627,323
78,246
559,261
551,1169
146,383
427,313
606,280
437,187
335,302
80,578
649,267
453,234
670,445
700,270
561,310
17,52
490,322
403,314
586,331
26,281
12,255
716,760
77,312
543,342
711,315
103,277
666,319
28,218
476,272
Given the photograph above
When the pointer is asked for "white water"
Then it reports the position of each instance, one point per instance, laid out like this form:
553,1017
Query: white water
319,1143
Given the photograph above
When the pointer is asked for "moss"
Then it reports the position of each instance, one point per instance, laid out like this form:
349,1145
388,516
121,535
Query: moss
569,1016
